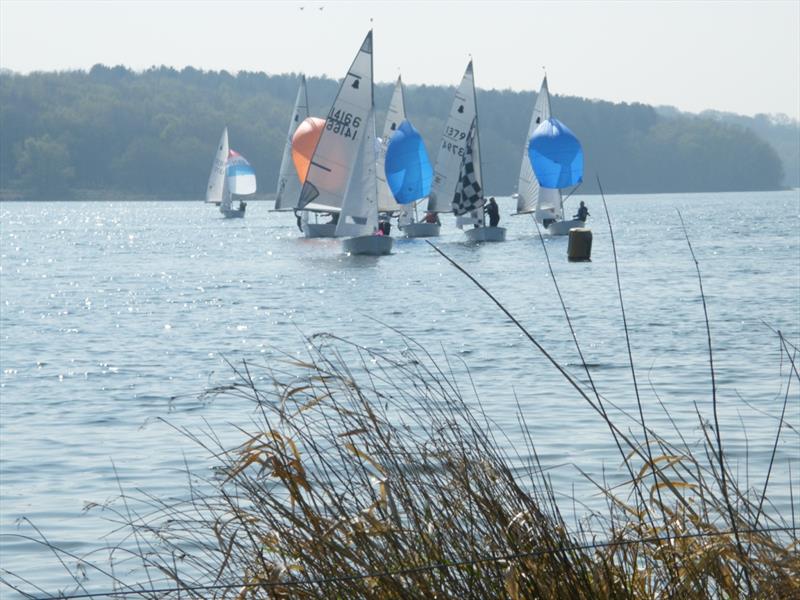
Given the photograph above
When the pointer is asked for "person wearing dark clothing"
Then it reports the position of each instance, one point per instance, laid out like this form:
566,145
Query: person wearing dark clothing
298,215
493,211
432,217
583,212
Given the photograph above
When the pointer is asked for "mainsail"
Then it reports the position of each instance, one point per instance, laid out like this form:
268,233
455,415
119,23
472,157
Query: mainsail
453,145
394,117
546,202
332,164
216,180
359,215
288,183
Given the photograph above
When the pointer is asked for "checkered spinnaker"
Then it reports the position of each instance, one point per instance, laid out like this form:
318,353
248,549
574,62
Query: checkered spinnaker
469,194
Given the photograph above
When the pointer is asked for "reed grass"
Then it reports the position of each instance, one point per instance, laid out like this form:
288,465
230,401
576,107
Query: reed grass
374,475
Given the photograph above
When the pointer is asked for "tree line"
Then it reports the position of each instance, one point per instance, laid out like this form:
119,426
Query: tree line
154,133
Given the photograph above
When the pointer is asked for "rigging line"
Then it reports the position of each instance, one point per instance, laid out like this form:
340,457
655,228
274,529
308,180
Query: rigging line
421,568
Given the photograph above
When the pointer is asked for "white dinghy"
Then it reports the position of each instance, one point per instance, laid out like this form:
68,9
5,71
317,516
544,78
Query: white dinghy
466,178
546,204
468,200
341,176
231,175
406,222
448,160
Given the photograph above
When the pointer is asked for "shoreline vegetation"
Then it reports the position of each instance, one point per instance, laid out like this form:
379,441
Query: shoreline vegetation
152,133
369,474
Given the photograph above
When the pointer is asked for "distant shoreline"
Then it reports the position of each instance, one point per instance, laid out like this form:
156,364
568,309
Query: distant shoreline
100,196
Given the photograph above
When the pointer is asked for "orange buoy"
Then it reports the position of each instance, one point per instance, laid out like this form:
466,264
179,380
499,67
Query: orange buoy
304,142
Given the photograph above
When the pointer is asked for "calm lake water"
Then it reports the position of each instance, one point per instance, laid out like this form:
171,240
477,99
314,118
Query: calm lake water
118,315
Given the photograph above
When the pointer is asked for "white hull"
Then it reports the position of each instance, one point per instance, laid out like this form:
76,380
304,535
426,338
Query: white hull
231,213
486,234
319,230
563,227
370,245
418,230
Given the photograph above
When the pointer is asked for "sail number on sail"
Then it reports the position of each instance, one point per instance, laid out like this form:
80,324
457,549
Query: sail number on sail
451,140
343,123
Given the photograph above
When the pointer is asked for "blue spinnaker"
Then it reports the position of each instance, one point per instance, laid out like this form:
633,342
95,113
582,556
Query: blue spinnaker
408,168
556,155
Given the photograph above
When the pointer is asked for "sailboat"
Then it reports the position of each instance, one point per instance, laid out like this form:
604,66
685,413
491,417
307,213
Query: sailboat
288,190
546,204
231,175
341,176
304,142
457,182
448,160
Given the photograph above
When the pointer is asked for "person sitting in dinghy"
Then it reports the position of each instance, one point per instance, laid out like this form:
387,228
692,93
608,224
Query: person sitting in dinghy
583,212
432,217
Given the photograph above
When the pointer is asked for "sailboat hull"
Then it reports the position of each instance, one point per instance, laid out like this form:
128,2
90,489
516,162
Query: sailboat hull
563,227
369,245
319,230
421,230
486,234
230,213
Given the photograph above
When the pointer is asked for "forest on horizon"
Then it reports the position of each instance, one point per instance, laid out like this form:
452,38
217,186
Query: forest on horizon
153,134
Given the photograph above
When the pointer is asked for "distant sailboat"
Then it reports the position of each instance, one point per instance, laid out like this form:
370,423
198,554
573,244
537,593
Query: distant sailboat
231,175
546,204
288,190
341,176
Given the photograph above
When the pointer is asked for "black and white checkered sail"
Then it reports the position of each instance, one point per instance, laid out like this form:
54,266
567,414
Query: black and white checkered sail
468,196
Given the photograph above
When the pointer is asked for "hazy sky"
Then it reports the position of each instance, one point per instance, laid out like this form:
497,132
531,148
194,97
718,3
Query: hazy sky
741,57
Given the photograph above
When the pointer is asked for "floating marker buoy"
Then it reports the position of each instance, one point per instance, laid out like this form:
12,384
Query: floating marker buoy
580,244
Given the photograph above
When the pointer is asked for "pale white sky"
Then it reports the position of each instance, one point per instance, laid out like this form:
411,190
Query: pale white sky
740,57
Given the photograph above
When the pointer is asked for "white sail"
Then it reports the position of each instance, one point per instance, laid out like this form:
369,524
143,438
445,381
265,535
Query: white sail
216,181
346,125
451,148
359,215
546,202
288,182
394,116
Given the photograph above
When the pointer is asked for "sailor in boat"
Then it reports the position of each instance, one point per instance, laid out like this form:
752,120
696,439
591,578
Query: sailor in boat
384,224
583,212
299,217
432,217
242,205
493,211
